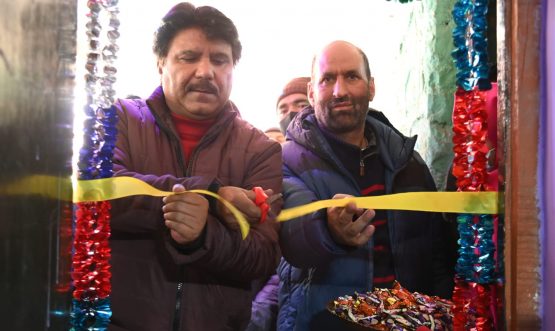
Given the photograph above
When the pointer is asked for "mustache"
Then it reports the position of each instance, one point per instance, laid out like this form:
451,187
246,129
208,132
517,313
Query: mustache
203,86
337,101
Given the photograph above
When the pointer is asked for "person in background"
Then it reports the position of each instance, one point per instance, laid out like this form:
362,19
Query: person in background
291,101
339,148
275,134
180,263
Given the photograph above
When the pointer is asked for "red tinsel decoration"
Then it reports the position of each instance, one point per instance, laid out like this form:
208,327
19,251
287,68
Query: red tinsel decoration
476,306
470,128
91,256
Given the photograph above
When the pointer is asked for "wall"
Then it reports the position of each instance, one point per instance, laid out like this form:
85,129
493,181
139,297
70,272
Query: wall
426,83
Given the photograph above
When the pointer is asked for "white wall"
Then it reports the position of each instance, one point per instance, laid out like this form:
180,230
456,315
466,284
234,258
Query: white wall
279,39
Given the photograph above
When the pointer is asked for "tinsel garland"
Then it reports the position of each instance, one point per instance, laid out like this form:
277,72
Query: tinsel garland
476,306
469,38
469,139
478,281
91,251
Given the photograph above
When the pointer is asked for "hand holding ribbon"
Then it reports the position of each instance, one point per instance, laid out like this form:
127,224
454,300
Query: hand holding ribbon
185,214
247,202
350,225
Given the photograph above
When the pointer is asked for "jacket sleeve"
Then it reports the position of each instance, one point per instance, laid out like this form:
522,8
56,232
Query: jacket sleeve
223,250
444,243
445,258
141,214
306,241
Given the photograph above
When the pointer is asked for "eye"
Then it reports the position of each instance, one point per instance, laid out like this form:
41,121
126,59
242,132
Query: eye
220,59
188,59
326,79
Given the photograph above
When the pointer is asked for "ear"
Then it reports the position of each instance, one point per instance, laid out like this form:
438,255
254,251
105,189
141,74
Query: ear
160,64
371,88
310,93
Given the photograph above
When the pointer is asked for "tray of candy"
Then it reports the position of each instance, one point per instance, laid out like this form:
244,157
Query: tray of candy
392,309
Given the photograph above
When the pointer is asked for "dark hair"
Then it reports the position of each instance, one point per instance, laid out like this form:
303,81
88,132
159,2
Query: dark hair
364,59
184,15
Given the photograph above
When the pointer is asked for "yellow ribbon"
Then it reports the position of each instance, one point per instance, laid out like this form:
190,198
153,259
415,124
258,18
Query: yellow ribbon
449,202
119,187
100,190
58,188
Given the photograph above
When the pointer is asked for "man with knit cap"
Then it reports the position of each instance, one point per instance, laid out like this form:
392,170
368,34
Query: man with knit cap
291,101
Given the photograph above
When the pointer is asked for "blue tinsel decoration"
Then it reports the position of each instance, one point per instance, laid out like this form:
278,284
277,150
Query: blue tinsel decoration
90,315
469,38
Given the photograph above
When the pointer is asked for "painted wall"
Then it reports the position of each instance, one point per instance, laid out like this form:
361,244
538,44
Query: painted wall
425,78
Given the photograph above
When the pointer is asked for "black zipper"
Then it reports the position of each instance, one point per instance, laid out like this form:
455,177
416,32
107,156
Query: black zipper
177,314
364,154
176,325
179,293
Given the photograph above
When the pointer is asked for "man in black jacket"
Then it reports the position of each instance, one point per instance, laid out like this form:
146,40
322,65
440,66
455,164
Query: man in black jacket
339,148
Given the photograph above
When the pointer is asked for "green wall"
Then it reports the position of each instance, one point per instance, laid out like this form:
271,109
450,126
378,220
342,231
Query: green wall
425,75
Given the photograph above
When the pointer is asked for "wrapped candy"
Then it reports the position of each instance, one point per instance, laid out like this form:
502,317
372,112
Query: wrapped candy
394,309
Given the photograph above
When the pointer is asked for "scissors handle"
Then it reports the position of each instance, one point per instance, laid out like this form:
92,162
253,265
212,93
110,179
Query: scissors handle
261,201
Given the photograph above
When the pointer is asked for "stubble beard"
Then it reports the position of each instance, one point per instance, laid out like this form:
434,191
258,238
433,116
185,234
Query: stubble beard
341,122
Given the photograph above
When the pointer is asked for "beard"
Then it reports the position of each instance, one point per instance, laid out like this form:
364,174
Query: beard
342,121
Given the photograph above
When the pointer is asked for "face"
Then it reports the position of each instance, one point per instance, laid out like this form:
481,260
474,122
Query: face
292,103
339,90
196,75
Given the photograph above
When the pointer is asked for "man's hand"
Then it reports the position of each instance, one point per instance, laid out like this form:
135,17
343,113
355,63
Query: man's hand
347,230
185,214
243,200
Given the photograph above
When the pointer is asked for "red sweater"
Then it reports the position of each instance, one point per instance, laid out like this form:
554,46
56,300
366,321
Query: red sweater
190,132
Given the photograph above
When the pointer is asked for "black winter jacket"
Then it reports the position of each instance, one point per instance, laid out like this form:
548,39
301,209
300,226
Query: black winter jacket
315,269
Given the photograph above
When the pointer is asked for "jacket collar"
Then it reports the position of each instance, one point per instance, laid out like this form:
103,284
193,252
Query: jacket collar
161,111
395,148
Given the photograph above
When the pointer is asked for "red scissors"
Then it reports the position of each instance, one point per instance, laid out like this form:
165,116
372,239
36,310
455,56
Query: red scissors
263,202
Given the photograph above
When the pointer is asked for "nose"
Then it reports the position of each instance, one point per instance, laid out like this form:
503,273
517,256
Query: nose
339,88
205,69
